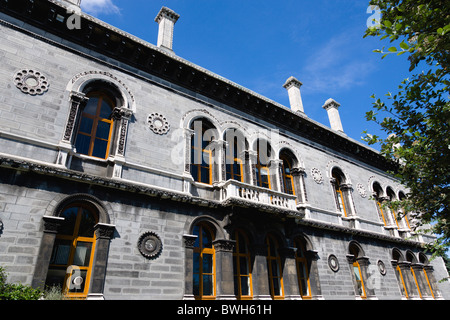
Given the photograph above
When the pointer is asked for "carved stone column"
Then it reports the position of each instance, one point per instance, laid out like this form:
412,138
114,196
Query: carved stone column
103,234
121,118
290,278
411,288
189,241
260,274
314,280
77,102
298,174
51,226
224,269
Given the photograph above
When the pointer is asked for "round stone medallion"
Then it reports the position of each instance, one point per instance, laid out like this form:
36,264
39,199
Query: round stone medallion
150,245
31,82
158,123
333,263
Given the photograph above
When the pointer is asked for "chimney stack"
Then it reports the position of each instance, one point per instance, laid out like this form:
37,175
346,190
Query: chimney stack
333,114
166,19
292,85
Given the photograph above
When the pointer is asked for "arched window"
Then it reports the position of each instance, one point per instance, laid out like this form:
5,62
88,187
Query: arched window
398,257
262,172
204,281
302,268
413,260
288,179
429,280
95,126
274,268
73,252
201,151
378,194
242,267
357,273
337,182
391,196
233,155
401,197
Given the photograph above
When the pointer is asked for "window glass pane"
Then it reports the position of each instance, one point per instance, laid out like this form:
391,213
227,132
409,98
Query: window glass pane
106,110
207,263
82,144
70,218
196,232
243,264
100,147
86,125
194,172
82,254
206,238
77,281
245,286
91,106
205,177
55,277
103,129
87,224
276,287
207,285
61,252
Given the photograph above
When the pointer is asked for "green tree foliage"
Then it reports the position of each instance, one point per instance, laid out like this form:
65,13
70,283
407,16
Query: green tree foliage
416,119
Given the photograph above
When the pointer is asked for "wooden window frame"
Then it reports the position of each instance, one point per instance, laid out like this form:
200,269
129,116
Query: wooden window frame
239,236
302,262
287,177
95,121
74,239
279,275
202,251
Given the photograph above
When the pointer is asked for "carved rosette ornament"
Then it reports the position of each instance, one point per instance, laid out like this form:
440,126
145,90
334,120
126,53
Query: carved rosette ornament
31,82
317,175
361,190
150,245
158,123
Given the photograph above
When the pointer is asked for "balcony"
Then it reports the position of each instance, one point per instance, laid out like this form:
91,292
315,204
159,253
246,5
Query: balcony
244,195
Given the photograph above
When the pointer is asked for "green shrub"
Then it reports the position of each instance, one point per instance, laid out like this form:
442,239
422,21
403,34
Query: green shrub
10,291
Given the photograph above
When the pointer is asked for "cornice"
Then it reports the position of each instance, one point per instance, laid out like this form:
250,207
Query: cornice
100,37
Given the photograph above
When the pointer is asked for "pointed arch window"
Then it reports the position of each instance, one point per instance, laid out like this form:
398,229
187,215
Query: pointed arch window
428,276
274,268
302,269
204,275
242,267
95,126
73,252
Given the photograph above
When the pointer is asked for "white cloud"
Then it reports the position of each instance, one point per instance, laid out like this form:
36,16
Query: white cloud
99,6
336,66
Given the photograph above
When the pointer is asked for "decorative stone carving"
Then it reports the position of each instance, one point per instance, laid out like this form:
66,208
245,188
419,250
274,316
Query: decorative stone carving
150,245
361,190
333,263
317,175
158,123
381,267
31,82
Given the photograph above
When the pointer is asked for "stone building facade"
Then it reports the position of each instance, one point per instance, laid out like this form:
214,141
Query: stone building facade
128,172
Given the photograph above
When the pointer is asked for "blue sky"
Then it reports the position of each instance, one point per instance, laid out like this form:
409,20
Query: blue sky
260,44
